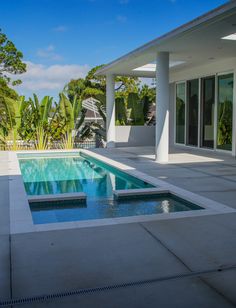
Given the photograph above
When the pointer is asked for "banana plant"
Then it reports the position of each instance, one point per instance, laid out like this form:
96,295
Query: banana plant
11,118
41,121
72,114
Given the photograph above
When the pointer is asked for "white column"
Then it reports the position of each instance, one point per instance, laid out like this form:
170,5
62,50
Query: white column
162,107
110,110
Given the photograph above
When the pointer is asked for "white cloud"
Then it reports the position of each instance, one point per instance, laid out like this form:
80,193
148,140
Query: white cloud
60,28
49,53
53,77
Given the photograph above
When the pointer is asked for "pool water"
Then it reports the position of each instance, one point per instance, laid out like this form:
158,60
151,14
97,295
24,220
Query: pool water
75,174
107,208
80,173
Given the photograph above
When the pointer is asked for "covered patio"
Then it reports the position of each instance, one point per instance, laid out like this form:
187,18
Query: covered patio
202,51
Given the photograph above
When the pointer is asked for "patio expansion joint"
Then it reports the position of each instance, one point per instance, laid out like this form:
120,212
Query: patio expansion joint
218,291
188,268
107,288
165,246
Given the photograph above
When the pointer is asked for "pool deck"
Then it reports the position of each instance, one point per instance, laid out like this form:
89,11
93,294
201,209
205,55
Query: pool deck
191,261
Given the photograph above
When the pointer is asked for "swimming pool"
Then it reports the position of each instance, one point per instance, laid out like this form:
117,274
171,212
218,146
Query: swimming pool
74,172
78,173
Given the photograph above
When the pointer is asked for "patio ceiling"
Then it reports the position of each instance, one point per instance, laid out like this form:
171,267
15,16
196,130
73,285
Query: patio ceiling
197,42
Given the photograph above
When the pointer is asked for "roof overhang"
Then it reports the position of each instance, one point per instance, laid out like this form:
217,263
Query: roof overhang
204,39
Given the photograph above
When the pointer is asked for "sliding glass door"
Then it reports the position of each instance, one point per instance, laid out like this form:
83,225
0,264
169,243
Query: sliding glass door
192,112
180,113
225,112
204,112
207,112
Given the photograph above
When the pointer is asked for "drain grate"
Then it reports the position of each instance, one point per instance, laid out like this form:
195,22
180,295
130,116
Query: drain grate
80,292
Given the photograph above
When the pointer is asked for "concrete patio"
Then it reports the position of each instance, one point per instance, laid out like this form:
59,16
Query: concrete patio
206,173
192,261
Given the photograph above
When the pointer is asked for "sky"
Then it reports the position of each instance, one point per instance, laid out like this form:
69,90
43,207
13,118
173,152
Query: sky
64,39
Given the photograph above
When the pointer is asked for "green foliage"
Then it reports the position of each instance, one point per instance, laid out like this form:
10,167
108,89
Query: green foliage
95,81
11,111
40,125
121,112
69,113
10,59
7,98
135,109
75,87
224,135
45,122
147,96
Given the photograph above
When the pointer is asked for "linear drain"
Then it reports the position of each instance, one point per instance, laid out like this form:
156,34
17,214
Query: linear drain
54,296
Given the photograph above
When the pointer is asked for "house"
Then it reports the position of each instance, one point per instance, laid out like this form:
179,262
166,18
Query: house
92,113
195,70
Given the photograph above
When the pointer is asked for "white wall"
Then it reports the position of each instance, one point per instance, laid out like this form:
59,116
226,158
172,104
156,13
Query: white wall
212,68
135,136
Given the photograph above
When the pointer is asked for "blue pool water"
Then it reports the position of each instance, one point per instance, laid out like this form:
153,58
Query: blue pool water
75,174
107,208
79,173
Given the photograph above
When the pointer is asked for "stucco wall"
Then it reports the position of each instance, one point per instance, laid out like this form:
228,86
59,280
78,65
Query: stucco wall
135,136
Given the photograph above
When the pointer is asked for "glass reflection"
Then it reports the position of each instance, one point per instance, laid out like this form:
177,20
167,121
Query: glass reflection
180,113
225,112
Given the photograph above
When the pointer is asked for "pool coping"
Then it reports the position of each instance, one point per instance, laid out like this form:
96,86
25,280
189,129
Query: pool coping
142,192
21,219
57,197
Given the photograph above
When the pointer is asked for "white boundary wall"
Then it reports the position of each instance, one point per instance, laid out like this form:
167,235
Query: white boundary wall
128,136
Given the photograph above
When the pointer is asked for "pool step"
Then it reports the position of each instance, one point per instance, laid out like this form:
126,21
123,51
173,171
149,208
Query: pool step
142,192
58,197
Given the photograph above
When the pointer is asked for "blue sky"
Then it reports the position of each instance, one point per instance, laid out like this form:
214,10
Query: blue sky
63,39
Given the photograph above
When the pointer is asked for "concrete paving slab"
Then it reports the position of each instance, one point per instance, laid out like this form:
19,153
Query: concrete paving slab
208,184
216,170
4,228
223,282
201,243
4,206
230,177
181,293
173,173
5,279
225,197
64,260
203,172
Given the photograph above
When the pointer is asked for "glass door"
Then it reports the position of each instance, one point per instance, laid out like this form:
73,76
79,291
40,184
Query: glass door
207,112
225,112
192,112
180,113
